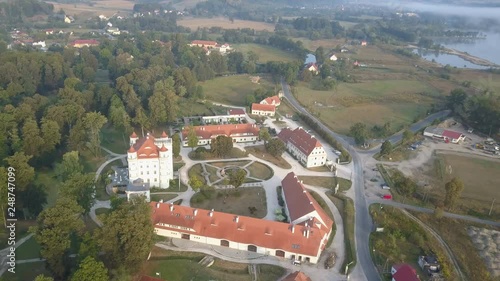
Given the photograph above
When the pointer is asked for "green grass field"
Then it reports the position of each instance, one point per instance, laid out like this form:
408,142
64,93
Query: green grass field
232,89
372,103
265,53
260,171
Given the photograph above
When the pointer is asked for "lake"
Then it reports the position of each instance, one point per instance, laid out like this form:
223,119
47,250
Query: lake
445,59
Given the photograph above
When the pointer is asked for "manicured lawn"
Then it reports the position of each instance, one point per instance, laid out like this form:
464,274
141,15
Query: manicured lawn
181,266
207,155
232,89
27,271
178,165
196,170
326,182
48,179
30,249
213,173
189,108
114,140
260,171
164,197
265,53
260,152
230,163
233,201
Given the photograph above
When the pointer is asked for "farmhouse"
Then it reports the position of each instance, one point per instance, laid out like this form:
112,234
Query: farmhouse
297,276
313,67
150,160
84,43
404,272
303,239
304,147
445,135
274,100
208,46
238,132
333,57
263,109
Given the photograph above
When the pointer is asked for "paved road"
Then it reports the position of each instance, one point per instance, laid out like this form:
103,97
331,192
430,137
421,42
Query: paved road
365,269
420,125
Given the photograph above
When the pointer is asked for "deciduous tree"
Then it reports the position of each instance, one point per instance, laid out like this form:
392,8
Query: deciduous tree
55,227
90,270
221,146
264,134
127,235
386,148
454,190
51,134
80,187
32,140
24,172
93,122
192,138
34,198
195,182
359,132
70,165
237,177
275,147
176,145
407,136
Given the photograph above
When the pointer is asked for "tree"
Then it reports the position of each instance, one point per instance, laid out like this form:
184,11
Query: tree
456,100
176,145
306,75
320,55
32,140
91,270
359,132
24,172
93,122
405,185
275,147
55,228
88,247
221,146
127,235
195,182
70,165
51,134
407,136
386,148
454,190
80,187
264,134
192,138
237,177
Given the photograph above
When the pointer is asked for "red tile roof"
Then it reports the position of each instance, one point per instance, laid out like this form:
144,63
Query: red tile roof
164,135
404,272
263,107
451,134
85,42
239,229
212,131
272,100
149,278
236,111
133,135
203,42
300,203
300,139
297,276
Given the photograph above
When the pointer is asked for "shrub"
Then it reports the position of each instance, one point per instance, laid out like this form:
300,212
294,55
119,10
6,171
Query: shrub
281,202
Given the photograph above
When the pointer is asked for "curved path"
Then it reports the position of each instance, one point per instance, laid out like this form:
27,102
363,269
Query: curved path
445,246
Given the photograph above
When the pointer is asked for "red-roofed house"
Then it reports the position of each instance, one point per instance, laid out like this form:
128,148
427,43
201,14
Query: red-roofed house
274,100
236,113
404,272
238,132
446,135
297,276
150,160
303,242
305,147
84,43
203,43
301,207
263,109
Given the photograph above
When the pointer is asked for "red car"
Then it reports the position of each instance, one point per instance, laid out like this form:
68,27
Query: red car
387,196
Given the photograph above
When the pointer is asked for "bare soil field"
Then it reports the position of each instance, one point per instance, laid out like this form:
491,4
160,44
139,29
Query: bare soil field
487,242
225,23
101,7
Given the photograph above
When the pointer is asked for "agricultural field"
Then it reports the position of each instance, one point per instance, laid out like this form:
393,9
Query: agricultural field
480,178
265,53
232,89
224,23
372,103
102,7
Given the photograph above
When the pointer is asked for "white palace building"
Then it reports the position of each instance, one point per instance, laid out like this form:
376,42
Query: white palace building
150,160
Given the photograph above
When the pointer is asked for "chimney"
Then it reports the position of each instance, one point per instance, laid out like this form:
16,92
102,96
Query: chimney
171,207
157,205
293,228
310,202
307,224
301,181
304,191
211,213
237,219
161,200
195,212
307,233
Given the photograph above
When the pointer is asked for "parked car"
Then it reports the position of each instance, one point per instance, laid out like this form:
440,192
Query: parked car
386,187
387,196
296,262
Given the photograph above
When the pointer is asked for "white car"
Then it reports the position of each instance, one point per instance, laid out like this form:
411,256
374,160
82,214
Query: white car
386,187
